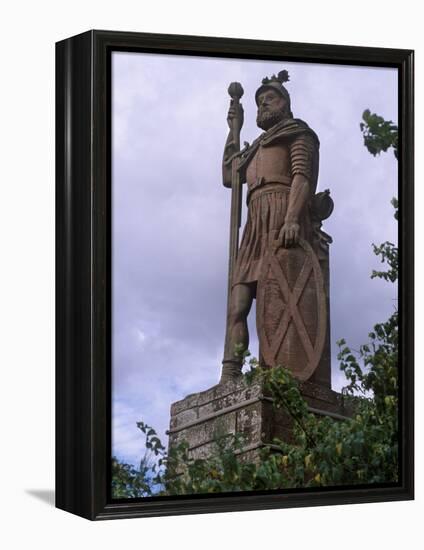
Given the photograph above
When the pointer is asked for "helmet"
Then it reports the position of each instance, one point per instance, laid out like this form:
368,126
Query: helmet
275,83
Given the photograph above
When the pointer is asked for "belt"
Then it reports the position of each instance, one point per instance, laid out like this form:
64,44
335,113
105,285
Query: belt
270,185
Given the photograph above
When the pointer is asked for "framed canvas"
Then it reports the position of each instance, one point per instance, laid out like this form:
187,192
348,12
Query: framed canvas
195,376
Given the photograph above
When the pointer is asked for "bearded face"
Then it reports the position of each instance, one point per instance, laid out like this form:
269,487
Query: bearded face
272,108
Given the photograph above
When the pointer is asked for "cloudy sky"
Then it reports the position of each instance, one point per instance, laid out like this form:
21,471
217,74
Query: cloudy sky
170,220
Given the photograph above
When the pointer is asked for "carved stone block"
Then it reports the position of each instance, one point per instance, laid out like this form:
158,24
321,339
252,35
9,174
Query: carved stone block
235,407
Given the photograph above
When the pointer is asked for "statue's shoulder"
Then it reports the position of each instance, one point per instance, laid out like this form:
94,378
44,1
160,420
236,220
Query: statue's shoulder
291,128
286,130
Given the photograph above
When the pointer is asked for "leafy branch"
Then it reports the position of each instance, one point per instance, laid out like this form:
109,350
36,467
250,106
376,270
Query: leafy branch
379,134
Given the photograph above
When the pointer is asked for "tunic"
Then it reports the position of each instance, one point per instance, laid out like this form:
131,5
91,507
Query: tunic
268,167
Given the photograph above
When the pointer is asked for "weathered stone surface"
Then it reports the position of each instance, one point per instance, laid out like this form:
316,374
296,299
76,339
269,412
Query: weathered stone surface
236,407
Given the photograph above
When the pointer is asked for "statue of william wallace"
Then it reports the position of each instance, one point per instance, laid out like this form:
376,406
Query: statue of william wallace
282,260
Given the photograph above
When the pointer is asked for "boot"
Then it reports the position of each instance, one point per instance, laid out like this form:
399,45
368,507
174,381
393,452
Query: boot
231,370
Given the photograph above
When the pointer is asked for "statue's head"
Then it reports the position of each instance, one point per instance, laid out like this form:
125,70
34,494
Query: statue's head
273,101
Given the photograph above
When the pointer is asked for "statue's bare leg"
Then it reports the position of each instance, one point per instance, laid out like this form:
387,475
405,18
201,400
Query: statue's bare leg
237,339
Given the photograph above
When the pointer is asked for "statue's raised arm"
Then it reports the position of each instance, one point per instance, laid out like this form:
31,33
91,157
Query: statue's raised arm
235,119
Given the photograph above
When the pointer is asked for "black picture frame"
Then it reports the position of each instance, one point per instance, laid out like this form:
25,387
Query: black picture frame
83,238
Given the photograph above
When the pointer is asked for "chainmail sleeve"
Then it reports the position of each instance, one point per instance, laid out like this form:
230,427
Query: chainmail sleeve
304,157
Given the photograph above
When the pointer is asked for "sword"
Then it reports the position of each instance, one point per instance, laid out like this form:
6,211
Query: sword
235,91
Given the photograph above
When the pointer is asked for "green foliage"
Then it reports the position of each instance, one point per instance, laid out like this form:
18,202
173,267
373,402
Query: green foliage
379,134
388,253
221,472
362,449
129,482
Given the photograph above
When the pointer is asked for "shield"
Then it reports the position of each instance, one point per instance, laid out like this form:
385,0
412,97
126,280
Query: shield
291,309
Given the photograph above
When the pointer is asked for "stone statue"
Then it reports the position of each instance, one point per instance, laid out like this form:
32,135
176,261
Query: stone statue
282,259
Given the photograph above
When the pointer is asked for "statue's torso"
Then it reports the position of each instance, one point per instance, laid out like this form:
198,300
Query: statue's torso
268,167
270,164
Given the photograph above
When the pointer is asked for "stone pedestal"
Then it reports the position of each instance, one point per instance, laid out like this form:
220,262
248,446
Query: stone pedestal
232,408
